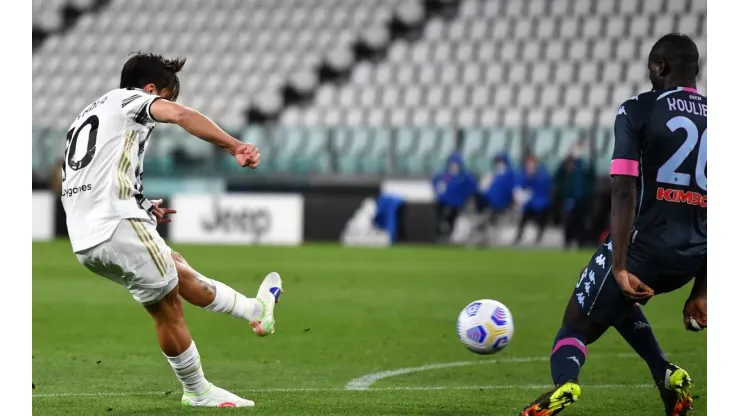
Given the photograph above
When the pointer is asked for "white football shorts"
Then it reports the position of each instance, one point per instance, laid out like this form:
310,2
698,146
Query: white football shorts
136,257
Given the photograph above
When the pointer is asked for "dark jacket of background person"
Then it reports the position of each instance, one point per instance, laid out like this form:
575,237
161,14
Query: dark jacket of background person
500,193
574,181
452,189
535,179
455,185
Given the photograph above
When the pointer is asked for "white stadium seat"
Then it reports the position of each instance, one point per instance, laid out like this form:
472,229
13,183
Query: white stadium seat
495,62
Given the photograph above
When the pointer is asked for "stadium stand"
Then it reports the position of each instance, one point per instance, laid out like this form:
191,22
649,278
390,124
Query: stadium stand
56,16
239,50
534,75
512,64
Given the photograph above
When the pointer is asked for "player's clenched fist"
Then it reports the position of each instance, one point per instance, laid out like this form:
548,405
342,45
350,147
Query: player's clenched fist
632,287
695,313
247,155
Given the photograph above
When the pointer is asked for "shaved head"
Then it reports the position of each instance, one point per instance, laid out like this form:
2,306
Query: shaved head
673,61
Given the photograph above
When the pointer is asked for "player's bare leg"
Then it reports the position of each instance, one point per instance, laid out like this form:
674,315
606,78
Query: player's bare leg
215,296
182,354
169,323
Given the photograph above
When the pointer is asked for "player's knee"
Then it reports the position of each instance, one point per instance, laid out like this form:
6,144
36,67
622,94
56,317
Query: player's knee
573,315
568,331
580,326
168,308
185,273
177,257
186,277
173,300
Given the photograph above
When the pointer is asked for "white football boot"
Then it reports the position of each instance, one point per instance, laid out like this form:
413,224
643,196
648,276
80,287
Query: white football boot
215,397
268,295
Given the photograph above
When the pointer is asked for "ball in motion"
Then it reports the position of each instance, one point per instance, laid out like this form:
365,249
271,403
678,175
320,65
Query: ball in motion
485,326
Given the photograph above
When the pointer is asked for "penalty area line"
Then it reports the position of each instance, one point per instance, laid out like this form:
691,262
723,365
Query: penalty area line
336,389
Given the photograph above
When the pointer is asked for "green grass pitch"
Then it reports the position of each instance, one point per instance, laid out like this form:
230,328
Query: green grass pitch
346,313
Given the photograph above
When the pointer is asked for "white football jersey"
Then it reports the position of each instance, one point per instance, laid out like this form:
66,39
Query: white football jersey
103,163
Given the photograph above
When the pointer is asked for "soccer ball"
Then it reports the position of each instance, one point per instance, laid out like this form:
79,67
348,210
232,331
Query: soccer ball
485,326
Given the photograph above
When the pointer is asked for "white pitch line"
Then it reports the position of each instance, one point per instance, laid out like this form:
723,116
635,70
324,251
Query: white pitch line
364,382
506,387
336,389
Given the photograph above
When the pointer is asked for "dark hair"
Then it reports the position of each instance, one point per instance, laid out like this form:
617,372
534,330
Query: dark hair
148,68
679,52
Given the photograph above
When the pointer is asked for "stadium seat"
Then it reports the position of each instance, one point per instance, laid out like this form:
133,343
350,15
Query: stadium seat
122,27
494,64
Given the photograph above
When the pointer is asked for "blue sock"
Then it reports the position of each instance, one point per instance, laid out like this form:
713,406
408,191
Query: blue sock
637,332
568,355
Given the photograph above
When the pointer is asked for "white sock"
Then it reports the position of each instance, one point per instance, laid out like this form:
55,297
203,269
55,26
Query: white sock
189,371
233,303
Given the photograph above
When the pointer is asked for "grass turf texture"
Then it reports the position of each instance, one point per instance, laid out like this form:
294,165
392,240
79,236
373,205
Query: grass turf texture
346,312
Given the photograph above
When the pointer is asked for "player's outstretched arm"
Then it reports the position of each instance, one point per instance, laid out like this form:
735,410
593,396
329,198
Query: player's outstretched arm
204,128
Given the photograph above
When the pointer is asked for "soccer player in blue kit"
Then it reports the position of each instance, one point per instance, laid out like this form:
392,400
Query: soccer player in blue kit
658,240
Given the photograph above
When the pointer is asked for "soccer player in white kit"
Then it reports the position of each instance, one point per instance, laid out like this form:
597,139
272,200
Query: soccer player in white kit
112,226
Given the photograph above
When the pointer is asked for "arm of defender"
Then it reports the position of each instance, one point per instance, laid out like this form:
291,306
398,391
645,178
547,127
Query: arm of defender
625,168
204,128
624,191
695,309
700,283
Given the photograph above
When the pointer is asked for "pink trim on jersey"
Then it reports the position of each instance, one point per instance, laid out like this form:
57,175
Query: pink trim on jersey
625,167
689,89
570,342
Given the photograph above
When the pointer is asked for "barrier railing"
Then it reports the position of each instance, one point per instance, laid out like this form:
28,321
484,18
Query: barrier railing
350,150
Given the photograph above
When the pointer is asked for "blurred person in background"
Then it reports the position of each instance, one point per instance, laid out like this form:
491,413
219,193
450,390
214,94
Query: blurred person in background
533,192
496,192
574,182
452,189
